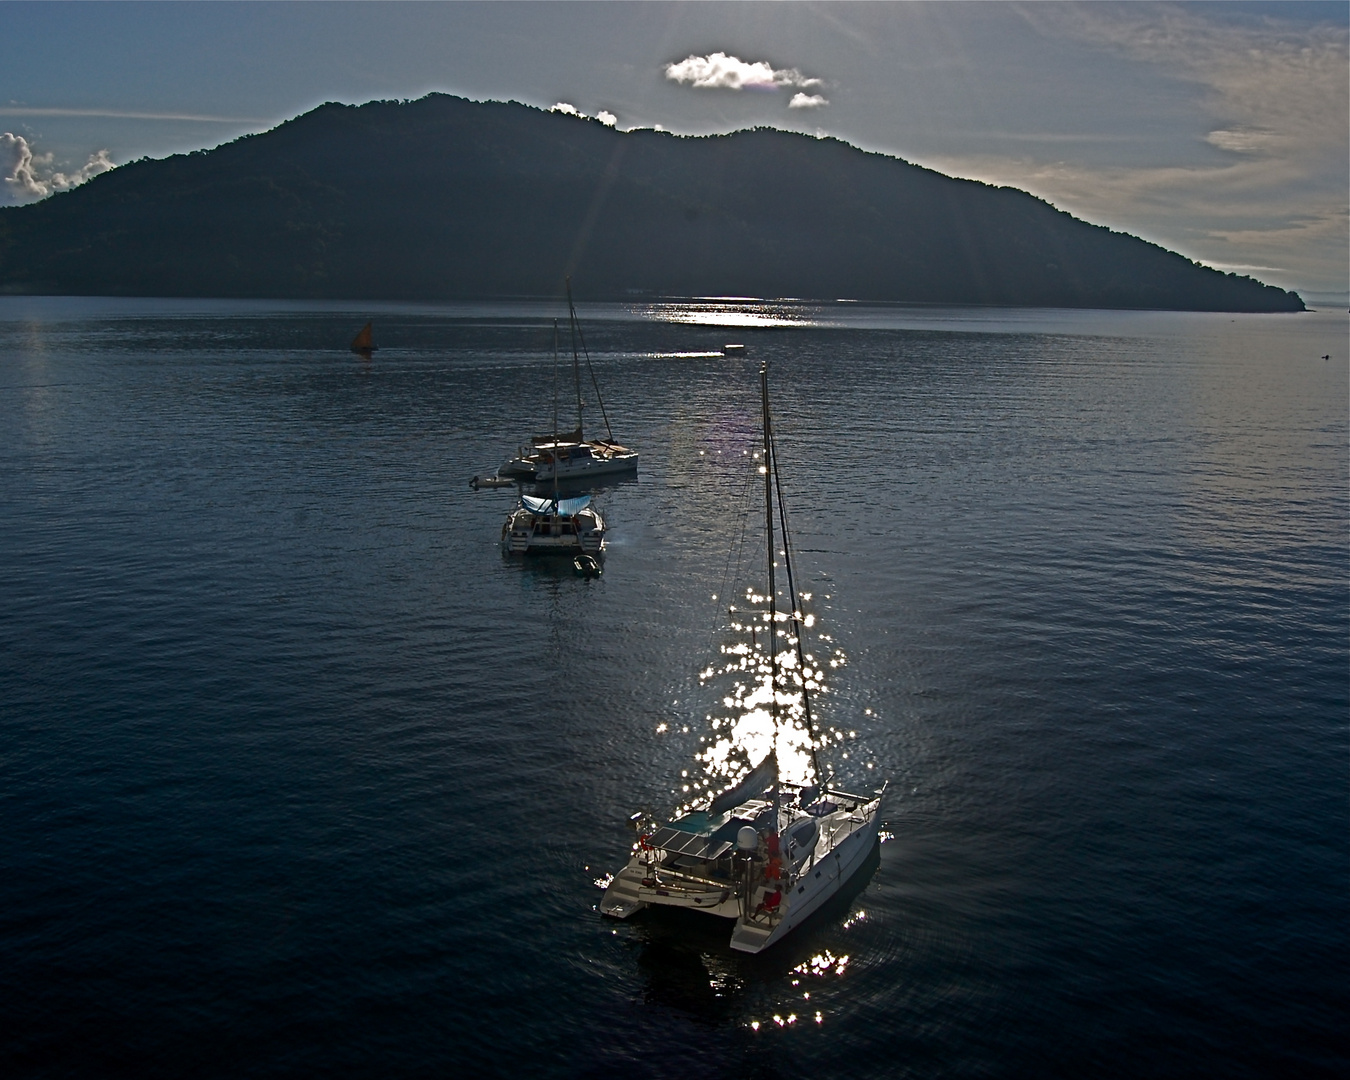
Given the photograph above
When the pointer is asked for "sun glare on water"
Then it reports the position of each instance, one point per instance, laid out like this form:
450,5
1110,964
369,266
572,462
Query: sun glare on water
733,311
743,731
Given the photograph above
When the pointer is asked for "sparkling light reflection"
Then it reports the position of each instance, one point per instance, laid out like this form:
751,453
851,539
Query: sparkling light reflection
744,733
682,355
822,964
733,311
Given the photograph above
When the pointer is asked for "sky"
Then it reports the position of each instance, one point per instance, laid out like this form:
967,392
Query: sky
1219,130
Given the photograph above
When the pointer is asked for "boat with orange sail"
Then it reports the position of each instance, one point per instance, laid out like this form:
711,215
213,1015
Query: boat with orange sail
364,342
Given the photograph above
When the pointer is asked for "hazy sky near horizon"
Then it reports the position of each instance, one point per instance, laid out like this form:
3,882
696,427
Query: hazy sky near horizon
1220,130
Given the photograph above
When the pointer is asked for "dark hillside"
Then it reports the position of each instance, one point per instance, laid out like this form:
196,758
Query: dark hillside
446,198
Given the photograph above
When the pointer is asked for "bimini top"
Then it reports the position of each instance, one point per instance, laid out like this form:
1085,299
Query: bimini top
564,507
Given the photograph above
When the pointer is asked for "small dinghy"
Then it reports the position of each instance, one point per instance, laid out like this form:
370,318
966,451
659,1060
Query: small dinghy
587,566
491,482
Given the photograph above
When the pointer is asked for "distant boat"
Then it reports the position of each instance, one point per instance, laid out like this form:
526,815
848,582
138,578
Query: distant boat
570,455
364,342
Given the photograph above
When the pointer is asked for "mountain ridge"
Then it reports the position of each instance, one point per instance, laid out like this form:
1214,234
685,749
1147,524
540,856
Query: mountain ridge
445,198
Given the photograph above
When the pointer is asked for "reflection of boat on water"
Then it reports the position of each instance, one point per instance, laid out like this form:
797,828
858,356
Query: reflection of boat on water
570,455
364,342
766,852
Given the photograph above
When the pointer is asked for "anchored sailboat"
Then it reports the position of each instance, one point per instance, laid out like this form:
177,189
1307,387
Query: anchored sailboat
570,455
766,852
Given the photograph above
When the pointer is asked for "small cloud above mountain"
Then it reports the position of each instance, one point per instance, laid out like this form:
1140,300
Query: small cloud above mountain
27,176
807,101
719,71
604,115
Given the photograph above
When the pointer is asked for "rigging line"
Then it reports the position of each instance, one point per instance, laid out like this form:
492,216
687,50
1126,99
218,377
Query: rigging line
797,617
732,572
576,329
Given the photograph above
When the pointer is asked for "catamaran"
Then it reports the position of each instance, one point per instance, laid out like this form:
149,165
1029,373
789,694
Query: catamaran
552,526
766,853
570,455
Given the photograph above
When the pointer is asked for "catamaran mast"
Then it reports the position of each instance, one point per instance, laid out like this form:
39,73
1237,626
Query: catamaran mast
576,366
577,335
556,463
773,604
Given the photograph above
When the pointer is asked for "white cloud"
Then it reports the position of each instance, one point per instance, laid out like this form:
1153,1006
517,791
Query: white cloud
99,162
27,176
604,115
16,168
718,71
807,101
1244,140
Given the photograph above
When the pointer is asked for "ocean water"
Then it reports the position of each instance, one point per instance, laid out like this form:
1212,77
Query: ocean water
299,776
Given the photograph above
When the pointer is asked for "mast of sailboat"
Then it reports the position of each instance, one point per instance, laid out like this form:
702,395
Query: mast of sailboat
555,416
576,364
773,606
577,335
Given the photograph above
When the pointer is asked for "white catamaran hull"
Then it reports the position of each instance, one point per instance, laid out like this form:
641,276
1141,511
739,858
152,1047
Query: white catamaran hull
582,466
528,533
571,461
809,892
658,877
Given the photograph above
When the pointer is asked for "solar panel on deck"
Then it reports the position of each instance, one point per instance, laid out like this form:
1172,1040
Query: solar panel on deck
679,842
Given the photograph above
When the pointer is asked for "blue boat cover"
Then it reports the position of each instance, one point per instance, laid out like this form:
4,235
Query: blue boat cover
565,507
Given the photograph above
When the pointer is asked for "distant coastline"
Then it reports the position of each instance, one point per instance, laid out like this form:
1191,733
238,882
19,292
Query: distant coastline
451,199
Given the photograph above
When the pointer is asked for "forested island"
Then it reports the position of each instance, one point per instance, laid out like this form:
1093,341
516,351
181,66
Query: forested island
444,198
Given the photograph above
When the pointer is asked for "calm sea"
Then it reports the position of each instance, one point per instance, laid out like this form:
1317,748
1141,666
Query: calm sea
300,777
